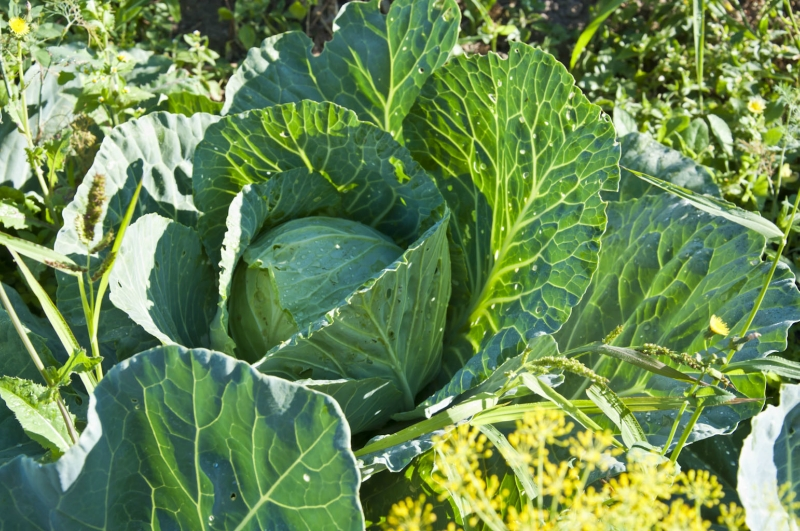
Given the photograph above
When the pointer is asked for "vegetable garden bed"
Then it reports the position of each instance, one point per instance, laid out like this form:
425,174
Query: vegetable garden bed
387,285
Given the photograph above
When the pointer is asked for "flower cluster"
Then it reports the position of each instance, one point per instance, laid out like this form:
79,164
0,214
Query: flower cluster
570,492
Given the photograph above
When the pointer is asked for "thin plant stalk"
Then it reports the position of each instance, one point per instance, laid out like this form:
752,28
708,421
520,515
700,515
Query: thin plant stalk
53,315
96,300
777,186
678,418
26,341
699,18
26,131
674,429
796,33
37,361
685,435
4,74
768,279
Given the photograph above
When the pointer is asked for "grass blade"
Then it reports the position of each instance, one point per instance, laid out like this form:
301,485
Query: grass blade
512,457
106,273
698,23
48,306
716,207
591,29
41,254
545,391
778,365
613,408
441,420
510,413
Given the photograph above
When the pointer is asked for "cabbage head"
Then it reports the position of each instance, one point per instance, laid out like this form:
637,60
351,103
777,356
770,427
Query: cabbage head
295,273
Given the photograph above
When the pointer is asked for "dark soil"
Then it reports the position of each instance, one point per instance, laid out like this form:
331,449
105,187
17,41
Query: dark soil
572,14
202,15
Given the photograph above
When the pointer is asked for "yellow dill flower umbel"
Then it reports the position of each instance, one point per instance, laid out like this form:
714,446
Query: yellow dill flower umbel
410,515
756,105
718,326
19,27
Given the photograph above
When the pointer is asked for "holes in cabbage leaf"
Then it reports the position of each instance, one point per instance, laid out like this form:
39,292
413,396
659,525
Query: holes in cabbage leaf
233,495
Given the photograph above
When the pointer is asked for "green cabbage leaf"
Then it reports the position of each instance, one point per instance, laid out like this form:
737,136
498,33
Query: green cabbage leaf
224,446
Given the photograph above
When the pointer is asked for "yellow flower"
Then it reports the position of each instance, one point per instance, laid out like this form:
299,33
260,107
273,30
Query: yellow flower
18,26
732,517
410,515
756,105
718,326
700,487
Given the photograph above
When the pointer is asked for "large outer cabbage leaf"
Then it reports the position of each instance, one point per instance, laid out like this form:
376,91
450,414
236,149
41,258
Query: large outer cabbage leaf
164,282
521,157
193,439
769,465
14,168
375,65
666,268
157,148
358,398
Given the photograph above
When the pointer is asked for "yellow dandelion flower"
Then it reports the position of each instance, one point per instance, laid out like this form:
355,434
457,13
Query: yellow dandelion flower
19,27
756,105
718,326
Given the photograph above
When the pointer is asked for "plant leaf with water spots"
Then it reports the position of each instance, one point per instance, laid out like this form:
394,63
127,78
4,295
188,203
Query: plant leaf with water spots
521,157
375,65
193,439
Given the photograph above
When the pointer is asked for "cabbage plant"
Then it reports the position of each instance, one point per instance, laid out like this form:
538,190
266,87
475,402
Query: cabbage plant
387,232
